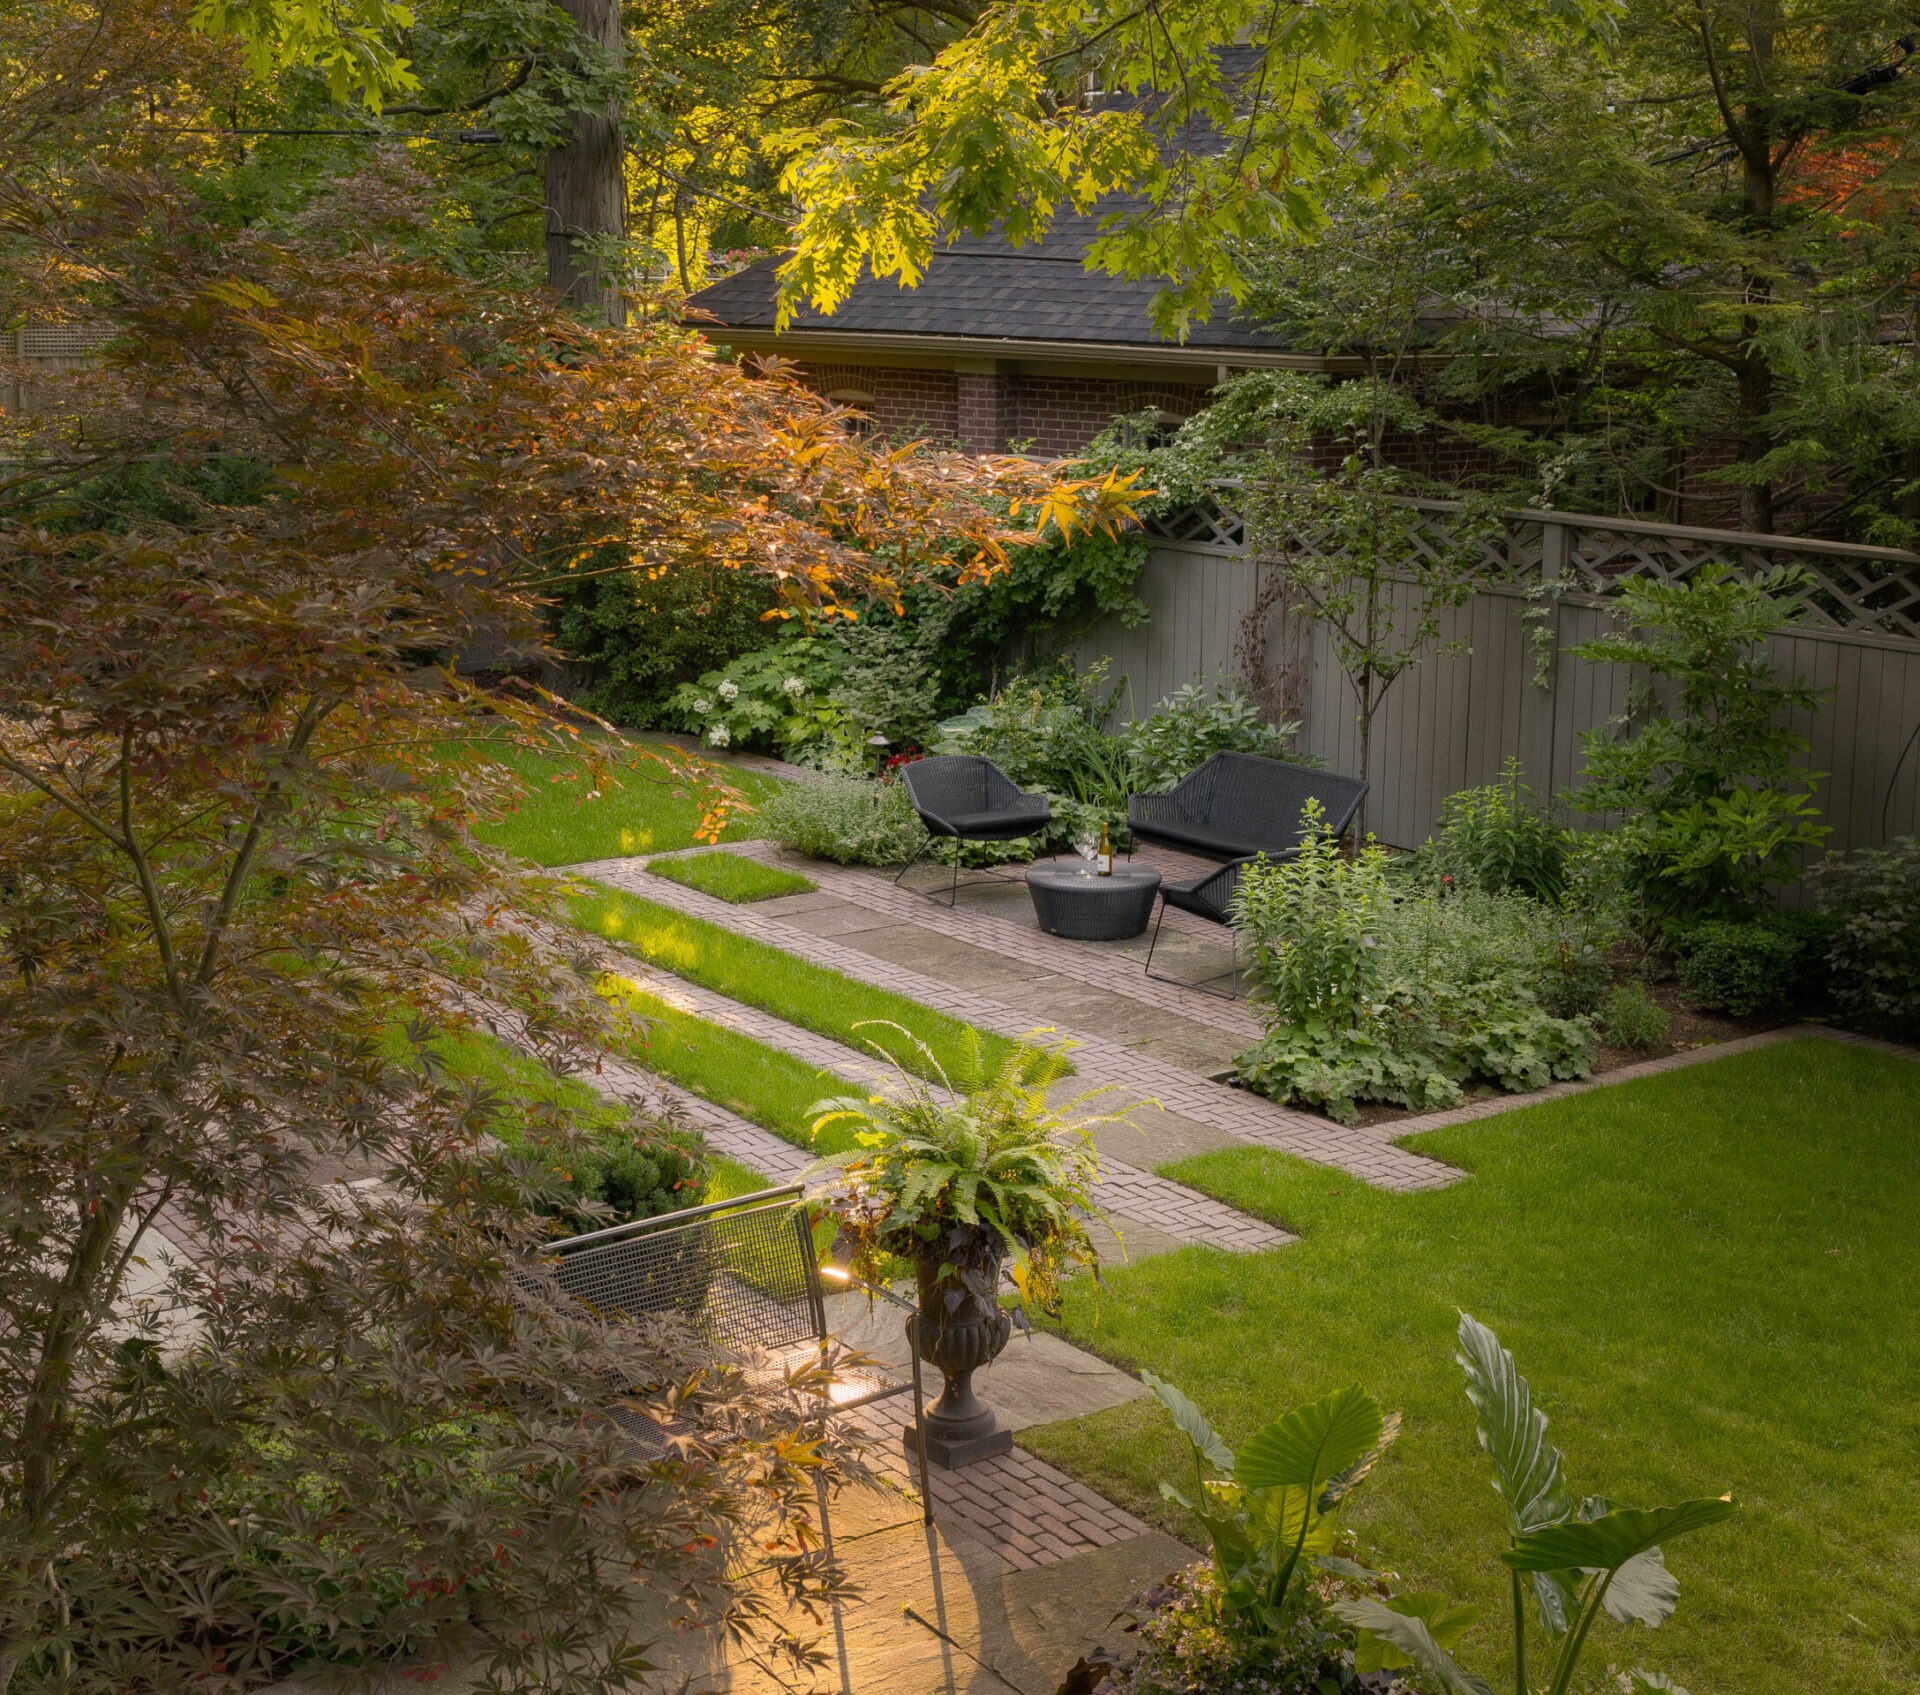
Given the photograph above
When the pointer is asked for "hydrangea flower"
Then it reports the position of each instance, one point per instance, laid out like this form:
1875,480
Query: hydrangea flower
729,690
795,687
719,736
703,706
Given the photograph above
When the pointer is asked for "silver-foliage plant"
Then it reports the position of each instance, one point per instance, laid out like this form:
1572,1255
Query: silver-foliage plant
850,820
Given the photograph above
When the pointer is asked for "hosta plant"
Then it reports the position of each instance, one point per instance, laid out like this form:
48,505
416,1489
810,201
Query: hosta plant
1569,1559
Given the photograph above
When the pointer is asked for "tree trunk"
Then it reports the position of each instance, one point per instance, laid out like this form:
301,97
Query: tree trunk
586,180
1755,138
1756,441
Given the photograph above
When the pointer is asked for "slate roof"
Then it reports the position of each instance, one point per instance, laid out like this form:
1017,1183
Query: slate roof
986,288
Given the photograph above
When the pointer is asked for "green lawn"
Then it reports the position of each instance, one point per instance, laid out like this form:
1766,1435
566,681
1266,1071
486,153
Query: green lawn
1712,1279
557,824
730,877
812,996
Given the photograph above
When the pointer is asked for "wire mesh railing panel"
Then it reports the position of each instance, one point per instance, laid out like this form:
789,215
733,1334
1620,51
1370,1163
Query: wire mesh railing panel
741,1279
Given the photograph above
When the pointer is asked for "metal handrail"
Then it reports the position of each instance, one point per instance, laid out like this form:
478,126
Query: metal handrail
672,1220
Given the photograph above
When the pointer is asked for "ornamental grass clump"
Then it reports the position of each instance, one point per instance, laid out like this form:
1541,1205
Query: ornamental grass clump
1404,999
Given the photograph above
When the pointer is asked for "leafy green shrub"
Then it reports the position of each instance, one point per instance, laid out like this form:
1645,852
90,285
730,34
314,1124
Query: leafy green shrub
1313,928
1872,898
850,820
1497,839
1468,937
1702,771
1755,970
1632,1018
1338,1069
639,638
641,1180
1369,998
774,697
1191,724
1047,591
1043,728
730,876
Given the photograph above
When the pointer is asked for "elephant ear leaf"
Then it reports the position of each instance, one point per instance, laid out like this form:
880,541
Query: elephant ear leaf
1513,1431
1607,1543
1446,1623
1193,1424
1312,1445
1356,1473
1412,1638
1643,1591
1526,1466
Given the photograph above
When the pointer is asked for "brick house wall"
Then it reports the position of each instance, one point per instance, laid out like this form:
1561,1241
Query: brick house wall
900,400
984,412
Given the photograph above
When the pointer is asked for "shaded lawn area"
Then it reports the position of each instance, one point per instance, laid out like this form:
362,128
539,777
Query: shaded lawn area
649,812
812,996
1712,1279
472,1056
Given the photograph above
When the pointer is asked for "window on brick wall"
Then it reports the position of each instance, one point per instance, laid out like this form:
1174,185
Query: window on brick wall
1154,427
859,404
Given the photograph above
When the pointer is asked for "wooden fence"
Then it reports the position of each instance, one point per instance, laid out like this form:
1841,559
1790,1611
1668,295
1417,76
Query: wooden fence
1452,721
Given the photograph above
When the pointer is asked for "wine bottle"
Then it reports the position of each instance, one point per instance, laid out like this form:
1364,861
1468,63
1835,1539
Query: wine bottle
1103,862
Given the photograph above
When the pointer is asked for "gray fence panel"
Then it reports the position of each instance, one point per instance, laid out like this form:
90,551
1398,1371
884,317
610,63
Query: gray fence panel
1452,721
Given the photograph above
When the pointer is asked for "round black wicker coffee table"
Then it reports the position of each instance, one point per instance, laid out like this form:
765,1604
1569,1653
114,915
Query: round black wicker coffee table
1076,902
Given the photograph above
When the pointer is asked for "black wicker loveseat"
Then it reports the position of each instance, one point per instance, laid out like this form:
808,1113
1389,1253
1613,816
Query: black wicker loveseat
1239,804
1238,807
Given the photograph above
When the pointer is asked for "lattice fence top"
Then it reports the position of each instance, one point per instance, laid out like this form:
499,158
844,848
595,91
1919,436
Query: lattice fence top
58,341
1863,590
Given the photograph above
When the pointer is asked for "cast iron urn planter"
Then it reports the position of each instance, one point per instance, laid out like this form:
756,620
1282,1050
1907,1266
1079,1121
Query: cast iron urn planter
961,1328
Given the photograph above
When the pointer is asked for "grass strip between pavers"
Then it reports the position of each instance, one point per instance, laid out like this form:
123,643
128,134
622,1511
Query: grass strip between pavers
816,998
1708,1276
761,1084
473,1056
731,877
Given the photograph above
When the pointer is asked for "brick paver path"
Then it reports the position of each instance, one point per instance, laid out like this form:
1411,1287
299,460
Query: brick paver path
1125,1191
1024,1509
1369,1155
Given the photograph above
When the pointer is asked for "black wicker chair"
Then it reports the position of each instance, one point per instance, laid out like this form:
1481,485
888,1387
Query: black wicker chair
743,1276
964,798
1238,807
